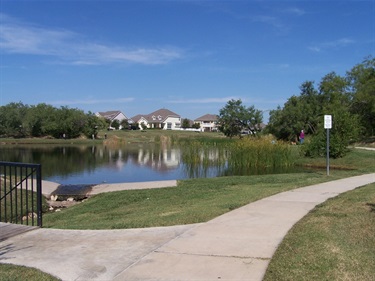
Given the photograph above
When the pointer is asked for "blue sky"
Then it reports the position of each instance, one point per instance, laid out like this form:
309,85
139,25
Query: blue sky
190,57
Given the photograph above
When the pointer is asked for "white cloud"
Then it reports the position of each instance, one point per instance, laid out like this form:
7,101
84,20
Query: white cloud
20,38
295,11
339,43
203,100
91,101
224,100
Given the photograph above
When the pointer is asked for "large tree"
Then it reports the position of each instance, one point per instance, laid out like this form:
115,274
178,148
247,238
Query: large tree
306,112
235,117
19,120
335,101
41,120
185,123
12,119
362,88
299,113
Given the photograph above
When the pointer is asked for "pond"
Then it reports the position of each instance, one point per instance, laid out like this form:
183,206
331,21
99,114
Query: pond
84,164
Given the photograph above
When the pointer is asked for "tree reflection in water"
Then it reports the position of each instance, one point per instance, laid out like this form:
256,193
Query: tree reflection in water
83,164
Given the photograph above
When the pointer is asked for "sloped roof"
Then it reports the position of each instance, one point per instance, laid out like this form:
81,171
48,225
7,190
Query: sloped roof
110,114
137,117
160,115
207,117
164,113
157,116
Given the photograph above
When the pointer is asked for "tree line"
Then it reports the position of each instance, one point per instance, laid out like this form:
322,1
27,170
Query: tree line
19,120
349,99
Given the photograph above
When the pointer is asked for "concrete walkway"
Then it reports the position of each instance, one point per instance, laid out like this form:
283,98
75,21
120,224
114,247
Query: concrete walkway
235,246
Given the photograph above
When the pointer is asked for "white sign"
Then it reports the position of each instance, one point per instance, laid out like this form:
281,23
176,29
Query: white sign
327,121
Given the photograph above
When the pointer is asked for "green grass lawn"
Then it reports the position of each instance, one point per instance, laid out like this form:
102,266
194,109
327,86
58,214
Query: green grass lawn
192,201
196,200
125,136
335,241
346,255
10,272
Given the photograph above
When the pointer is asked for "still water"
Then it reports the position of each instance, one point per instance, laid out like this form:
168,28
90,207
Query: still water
83,164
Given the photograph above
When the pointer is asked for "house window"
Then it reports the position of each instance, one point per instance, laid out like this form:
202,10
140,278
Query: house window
159,117
153,117
169,125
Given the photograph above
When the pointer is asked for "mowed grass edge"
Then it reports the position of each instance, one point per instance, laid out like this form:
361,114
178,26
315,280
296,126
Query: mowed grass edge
192,201
195,200
10,272
335,241
357,162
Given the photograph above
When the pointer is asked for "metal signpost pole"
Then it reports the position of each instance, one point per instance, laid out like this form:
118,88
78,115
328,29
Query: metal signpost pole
327,125
327,152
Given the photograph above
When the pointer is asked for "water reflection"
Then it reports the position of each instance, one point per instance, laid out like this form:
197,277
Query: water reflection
82,164
79,164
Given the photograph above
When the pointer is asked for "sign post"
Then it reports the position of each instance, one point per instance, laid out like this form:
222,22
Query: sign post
327,125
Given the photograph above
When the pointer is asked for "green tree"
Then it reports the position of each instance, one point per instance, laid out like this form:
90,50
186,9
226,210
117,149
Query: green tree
306,112
93,124
362,89
70,122
336,101
124,124
185,123
299,112
41,120
12,120
196,126
235,117
115,124
144,126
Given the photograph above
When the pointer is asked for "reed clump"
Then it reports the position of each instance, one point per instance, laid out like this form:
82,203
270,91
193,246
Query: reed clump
199,157
237,157
114,141
259,152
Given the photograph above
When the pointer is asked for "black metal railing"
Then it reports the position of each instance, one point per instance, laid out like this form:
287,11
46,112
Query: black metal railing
21,193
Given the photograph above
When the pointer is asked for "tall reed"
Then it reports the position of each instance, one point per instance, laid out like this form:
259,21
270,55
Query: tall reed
237,157
198,157
260,153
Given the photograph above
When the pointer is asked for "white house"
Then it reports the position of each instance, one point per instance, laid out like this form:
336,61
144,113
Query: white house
139,119
208,122
112,116
160,119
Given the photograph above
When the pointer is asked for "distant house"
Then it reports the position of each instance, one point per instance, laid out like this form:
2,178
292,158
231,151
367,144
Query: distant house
139,119
159,119
112,116
208,122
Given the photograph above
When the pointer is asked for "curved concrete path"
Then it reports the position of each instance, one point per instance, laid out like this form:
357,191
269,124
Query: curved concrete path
235,246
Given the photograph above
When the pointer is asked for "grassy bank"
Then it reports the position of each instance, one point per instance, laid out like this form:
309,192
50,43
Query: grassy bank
9,272
195,200
334,242
350,218
192,201
123,136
